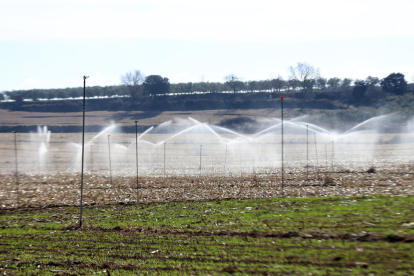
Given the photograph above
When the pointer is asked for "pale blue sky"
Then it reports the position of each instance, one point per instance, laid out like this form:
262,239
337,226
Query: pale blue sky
50,44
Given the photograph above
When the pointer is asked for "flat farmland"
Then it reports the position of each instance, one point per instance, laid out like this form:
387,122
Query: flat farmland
346,235
127,118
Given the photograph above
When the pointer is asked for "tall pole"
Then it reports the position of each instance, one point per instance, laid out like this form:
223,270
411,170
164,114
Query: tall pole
110,165
281,101
317,158
164,158
17,170
333,153
83,146
91,157
307,153
225,159
201,148
38,160
136,146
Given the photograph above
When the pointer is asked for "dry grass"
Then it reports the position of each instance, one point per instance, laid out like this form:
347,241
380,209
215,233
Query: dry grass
64,188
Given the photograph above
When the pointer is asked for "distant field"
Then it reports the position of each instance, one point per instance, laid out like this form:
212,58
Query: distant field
364,235
14,118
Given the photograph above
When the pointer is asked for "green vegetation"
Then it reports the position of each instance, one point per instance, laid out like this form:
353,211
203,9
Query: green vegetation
306,236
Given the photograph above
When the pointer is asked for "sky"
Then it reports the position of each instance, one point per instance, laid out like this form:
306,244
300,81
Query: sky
51,44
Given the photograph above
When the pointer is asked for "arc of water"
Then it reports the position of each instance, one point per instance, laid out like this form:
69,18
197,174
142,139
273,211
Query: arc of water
215,133
232,132
106,130
145,132
142,134
269,128
299,118
181,132
314,127
194,120
367,121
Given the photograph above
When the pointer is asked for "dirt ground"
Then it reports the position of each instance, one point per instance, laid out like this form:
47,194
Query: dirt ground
128,118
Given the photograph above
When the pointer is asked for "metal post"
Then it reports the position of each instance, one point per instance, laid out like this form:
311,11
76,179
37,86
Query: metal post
164,158
38,160
333,153
225,159
109,151
240,162
317,158
83,147
17,169
91,158
281,101
136,146
307,153
201,148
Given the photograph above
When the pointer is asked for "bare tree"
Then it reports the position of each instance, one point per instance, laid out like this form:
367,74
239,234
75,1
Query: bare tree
306,75
234,82
133,80
278,83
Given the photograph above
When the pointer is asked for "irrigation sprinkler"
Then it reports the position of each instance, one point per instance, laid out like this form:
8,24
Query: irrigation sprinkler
225,159
201,148
164,157
136,146
317,158
240,162
307,153
17,169
83,147
38,160
281,101
91,158
109,151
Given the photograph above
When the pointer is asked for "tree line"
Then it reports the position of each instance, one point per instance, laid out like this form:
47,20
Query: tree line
303,78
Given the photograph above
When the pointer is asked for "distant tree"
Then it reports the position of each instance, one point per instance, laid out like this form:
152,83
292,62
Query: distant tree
306,75
133,81
346,83
293,85
251,86
358,92
233,82
334,83
278,83
321,83
372,81
395,83
155,84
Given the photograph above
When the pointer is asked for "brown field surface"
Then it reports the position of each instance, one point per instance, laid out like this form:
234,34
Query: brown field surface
127,118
